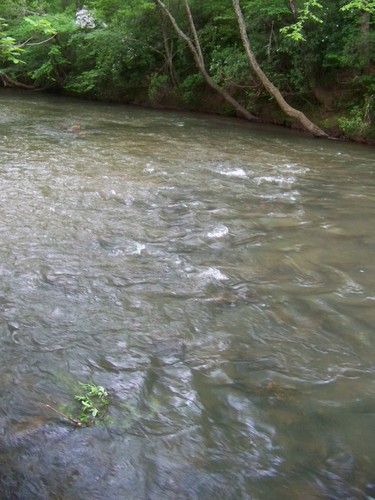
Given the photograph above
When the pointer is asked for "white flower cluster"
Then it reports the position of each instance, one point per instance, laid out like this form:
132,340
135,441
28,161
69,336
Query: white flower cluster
84,19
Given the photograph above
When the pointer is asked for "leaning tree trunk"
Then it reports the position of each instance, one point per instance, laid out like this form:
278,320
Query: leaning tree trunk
268,85
196,50
9,82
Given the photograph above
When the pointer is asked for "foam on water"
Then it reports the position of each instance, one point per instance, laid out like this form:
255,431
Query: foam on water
218,231
233,172
213,274
275,179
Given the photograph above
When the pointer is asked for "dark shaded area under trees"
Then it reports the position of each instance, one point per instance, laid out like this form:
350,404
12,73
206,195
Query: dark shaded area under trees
318,57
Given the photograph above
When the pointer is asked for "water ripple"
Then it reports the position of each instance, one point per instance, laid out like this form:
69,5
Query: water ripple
219,285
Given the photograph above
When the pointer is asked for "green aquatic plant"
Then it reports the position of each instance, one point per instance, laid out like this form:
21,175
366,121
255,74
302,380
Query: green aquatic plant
94,403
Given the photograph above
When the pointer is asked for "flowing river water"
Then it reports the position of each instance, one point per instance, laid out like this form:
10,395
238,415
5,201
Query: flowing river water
216,277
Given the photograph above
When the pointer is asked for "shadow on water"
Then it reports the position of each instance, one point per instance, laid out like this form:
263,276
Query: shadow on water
215,276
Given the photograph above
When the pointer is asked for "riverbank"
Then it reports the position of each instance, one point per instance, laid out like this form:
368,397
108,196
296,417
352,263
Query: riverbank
353,126
321,72
267,112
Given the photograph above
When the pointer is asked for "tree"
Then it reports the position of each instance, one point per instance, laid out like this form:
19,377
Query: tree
365,5
195,48
365,8
9,50
39,38
268,85
309,12
258,55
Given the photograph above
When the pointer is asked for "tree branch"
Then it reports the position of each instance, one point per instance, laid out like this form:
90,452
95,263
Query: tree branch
194,31
36,43
268,85
9,82
197,53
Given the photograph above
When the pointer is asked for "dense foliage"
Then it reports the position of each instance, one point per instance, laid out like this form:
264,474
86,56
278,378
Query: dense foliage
320,54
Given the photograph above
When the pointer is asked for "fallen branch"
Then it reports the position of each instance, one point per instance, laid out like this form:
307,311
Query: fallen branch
73,420
9,82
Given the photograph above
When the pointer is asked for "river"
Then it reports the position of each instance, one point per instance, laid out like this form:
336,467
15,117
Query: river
216,277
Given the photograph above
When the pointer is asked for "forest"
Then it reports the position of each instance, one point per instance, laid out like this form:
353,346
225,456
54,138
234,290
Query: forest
301,64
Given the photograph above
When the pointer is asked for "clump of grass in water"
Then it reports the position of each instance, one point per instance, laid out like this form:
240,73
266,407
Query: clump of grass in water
94,402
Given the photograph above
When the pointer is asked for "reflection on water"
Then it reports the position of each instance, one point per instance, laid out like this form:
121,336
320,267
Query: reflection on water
216,277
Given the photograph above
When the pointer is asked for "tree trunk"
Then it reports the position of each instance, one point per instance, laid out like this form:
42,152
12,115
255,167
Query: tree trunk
195,49
9,82
293,8
268,85
169,58
365,39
